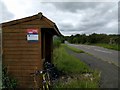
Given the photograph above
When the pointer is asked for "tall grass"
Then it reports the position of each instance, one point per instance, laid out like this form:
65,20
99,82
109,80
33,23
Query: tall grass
74,70
56,42
66,63
76,83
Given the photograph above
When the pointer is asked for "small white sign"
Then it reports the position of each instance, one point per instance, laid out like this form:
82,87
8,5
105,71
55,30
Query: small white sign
32,37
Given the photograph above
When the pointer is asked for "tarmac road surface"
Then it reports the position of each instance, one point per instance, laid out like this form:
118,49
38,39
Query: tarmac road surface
111,56
109,72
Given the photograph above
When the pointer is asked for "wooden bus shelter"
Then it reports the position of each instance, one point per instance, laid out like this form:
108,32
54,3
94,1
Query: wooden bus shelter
26,44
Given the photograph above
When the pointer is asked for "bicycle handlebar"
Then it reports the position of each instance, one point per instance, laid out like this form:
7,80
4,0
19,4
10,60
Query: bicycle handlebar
41,71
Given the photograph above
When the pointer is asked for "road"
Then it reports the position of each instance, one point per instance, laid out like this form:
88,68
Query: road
111,56
109,72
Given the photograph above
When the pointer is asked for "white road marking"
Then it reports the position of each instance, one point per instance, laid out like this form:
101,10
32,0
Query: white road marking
102,51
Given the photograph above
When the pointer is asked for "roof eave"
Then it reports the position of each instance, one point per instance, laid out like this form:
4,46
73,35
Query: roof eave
30,18
57,30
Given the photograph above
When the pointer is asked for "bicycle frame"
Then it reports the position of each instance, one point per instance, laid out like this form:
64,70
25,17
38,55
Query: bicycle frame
46,81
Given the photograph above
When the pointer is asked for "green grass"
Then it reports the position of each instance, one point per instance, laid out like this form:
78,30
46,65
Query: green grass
73,49
67,63
109,46
74,71
79,81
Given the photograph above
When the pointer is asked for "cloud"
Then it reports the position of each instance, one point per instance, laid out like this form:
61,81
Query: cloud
119,11
5,13
74,6
94,16
70,17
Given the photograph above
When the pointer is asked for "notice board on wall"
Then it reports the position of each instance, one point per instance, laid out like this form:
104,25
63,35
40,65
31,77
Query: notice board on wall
32,35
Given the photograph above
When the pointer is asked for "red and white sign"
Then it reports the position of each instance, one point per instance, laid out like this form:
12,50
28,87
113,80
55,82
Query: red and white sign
34,31
32,35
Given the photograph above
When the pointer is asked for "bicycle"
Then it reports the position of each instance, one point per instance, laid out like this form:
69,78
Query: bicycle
46,78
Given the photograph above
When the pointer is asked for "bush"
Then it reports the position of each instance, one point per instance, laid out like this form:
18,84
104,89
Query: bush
56,42
7,80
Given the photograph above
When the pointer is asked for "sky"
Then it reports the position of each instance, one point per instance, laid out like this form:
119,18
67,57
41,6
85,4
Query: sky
71,17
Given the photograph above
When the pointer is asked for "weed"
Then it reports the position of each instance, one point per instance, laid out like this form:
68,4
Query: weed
76,73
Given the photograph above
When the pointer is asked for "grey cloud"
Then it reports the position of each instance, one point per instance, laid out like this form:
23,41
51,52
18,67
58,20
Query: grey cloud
96,17
74,6
5,13
86,27
103,11
119,11
90,26
67,25
86,17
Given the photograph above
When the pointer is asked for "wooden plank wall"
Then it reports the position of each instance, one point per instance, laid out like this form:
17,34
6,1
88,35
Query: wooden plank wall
22,57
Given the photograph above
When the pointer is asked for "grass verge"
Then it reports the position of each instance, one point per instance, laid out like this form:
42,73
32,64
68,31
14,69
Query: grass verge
73,49
67,63
109,46
76,73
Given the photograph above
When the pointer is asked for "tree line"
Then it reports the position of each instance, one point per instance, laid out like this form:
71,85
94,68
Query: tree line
92,38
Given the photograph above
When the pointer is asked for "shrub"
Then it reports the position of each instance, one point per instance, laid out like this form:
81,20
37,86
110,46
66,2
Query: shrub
7,80
56,42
